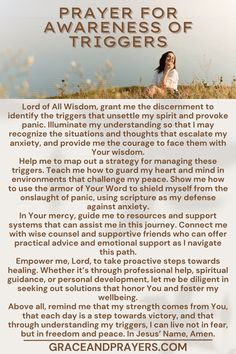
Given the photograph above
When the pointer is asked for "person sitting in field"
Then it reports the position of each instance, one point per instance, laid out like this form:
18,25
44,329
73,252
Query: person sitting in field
166,76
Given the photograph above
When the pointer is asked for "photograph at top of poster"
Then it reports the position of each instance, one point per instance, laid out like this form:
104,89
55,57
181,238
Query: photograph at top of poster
167,49
117,185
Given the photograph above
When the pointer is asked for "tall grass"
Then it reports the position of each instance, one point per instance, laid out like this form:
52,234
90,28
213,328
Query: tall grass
193,91
101,88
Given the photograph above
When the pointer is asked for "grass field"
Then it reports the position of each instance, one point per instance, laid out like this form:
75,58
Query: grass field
15,83
198,90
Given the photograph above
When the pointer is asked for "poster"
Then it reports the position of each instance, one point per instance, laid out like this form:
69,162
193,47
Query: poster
117,191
